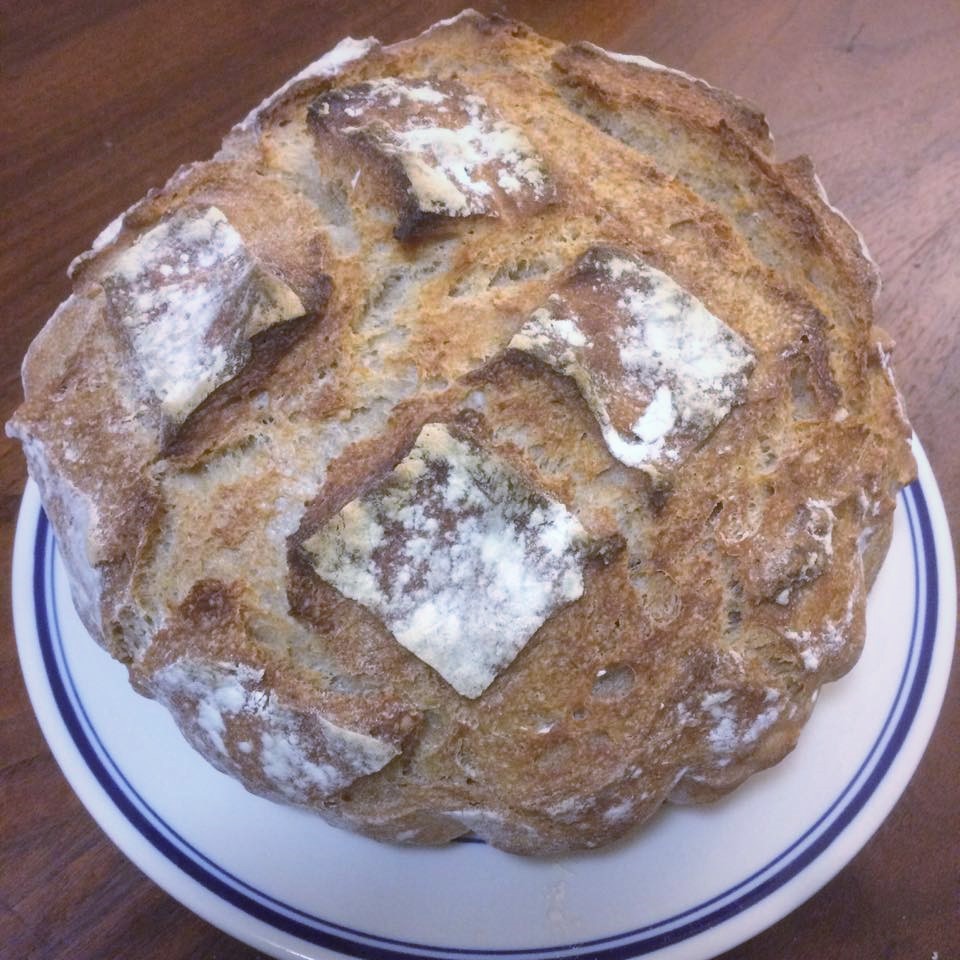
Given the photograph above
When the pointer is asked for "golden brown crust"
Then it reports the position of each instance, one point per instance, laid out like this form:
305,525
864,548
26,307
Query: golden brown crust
669,91
730,586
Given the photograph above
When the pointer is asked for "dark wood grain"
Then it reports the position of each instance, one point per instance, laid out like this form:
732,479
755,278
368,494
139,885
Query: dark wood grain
102,100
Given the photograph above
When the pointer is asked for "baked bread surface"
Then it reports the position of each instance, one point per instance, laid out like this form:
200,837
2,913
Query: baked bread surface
365,458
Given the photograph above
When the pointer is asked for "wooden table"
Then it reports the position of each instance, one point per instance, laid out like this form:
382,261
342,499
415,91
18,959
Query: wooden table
102,100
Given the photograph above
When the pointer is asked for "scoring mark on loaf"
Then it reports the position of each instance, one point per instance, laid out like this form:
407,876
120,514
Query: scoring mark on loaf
458,554
190,296
445,149
658,370
240,723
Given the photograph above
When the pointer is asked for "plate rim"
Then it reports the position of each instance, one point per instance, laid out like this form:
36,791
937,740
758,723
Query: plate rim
729,925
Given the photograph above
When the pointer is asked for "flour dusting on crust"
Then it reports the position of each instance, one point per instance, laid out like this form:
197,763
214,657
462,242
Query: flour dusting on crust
461,559
729,726
301,756
76,535
656,367
457,156
190,296
646,62
329,65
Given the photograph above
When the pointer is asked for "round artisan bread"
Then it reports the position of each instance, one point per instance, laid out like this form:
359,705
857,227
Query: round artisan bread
491,437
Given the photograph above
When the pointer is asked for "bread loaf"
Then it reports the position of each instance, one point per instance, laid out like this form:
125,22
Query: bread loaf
492,437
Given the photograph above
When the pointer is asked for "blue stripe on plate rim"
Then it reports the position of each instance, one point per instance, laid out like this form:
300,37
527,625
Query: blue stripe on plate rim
645,940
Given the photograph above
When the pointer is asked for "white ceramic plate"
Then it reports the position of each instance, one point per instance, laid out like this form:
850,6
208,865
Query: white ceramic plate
694,882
